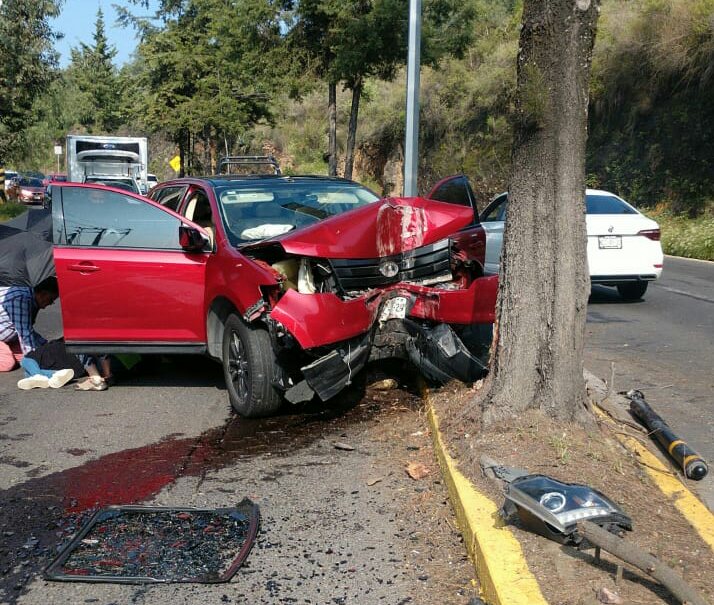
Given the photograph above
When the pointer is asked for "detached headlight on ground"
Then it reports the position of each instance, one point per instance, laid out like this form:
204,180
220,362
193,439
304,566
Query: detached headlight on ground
553,508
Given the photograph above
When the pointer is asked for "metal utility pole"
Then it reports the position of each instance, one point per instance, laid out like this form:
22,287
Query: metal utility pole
411,143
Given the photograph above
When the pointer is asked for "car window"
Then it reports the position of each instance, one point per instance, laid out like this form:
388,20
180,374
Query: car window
607,204
496,210
169,197
454,191
106,219
29,182
198,209
258,210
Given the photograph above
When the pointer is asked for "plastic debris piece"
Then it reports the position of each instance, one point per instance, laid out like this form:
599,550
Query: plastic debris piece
149,544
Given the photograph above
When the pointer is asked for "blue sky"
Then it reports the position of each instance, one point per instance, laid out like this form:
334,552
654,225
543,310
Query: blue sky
77,24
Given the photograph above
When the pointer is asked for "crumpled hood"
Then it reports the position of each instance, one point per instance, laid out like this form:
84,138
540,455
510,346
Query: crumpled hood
383,228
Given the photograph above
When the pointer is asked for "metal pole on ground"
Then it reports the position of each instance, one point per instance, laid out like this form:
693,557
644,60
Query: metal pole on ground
411,143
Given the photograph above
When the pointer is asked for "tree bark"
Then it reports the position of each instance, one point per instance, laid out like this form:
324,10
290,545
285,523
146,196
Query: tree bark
537,354
352,131
332,135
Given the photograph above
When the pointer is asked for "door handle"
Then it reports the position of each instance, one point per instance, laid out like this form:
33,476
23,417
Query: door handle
85,267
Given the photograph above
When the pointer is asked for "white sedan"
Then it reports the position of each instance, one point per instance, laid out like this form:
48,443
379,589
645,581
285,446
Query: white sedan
623,245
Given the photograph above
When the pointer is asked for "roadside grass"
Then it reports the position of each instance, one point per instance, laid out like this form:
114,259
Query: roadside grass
10,210
683,236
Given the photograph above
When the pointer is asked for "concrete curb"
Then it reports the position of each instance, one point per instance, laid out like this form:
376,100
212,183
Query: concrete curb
497,556
696,260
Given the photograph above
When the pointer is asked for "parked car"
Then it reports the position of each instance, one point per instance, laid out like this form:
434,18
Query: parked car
10,176
623,248
293,283
54,177
26,190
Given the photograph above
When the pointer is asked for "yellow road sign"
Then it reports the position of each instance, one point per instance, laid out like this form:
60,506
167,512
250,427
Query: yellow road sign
175,163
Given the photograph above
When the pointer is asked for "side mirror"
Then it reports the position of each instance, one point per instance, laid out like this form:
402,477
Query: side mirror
191,239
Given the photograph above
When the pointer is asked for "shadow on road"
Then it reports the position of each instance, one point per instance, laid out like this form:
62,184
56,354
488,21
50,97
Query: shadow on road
38,516
604,295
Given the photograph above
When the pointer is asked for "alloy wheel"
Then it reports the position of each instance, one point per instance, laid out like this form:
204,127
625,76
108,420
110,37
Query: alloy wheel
238,367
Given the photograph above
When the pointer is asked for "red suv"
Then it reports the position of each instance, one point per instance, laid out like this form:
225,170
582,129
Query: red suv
293,283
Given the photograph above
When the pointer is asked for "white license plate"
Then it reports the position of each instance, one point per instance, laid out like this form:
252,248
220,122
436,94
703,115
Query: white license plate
609,241
394,308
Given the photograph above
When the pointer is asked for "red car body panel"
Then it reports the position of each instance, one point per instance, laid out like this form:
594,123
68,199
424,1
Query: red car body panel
304,316
383,228
131,295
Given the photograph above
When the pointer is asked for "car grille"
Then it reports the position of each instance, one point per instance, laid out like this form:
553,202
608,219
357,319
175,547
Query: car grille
420,263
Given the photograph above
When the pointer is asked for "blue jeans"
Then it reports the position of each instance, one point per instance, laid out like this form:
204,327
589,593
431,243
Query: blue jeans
33,368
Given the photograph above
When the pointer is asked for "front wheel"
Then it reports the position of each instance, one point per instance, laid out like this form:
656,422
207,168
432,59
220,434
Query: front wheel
632,290
249,366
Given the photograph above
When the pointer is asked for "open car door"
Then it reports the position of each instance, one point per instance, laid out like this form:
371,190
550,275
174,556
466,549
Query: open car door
126,281
457,190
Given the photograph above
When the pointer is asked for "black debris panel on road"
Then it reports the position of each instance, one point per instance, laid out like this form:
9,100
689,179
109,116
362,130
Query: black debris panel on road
691,463
148,544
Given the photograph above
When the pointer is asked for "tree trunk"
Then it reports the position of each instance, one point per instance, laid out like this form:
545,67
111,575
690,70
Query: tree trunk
332,118
182,154
213,152
352,132
537,354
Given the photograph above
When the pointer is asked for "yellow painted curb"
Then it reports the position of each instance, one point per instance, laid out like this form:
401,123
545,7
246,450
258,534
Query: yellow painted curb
500,565
693,509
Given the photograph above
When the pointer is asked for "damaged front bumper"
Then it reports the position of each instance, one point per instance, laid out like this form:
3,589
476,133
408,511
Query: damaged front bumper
409,321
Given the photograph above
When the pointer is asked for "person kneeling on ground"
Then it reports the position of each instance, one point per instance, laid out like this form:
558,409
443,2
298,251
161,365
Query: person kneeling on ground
18,309
50,365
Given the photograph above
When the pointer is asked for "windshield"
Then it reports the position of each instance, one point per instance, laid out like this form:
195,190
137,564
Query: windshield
261,209
30,182
125,184
607,204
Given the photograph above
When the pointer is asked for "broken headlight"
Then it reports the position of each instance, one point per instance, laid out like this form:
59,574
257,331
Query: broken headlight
553,508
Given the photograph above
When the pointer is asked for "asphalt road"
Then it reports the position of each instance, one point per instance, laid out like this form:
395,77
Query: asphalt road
339,525
663,346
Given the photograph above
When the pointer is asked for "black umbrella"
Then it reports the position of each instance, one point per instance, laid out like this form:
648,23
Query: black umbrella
35,220
25,257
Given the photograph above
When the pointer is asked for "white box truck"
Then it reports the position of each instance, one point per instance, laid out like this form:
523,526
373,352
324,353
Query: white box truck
114,161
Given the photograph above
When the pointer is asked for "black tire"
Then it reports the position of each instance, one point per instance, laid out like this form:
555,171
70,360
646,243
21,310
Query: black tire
633,290
249,367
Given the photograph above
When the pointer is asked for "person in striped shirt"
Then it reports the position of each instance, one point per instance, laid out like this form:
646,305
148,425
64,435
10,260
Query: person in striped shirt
19,306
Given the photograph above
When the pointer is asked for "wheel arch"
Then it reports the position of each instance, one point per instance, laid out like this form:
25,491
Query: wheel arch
218,313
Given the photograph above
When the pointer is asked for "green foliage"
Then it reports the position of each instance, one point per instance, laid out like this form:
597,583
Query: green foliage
683,236
652,118
11,210
28,63
209,71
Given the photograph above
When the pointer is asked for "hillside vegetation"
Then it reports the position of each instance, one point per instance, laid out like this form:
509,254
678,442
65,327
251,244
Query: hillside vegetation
257,82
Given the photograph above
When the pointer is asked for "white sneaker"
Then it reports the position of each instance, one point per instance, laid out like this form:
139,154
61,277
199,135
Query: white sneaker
61,378
37,381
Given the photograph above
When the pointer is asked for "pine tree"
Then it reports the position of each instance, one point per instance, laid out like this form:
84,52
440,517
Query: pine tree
28,67
93,72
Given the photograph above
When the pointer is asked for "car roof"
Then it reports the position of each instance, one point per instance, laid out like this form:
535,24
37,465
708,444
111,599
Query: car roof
248,179
599,192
